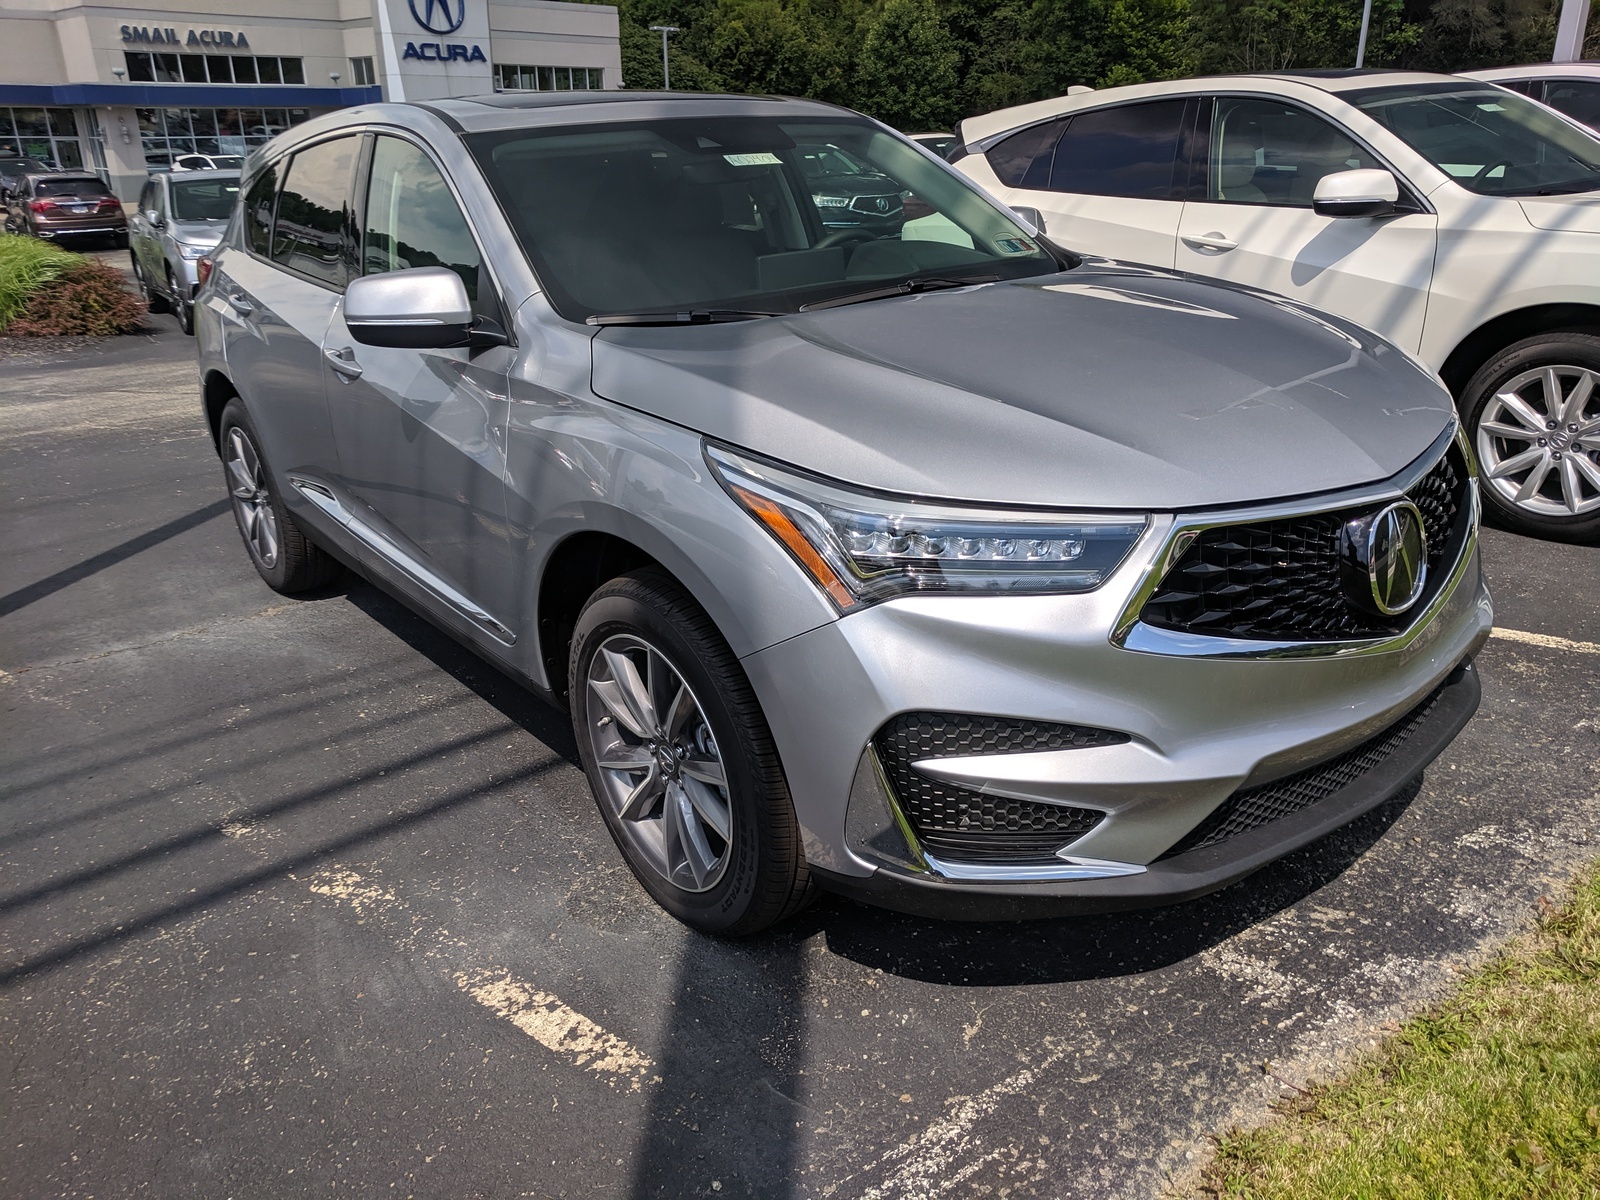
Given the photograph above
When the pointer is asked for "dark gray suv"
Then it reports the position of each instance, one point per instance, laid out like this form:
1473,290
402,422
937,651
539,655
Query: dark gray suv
924,561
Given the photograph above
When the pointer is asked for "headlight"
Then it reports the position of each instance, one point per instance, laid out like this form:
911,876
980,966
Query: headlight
193,252
831,201
861,548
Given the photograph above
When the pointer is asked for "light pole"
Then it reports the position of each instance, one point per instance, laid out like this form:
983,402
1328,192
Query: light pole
1361,47
666,71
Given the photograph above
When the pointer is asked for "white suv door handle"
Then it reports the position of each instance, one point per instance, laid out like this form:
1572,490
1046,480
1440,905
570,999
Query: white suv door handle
1213,243
343,363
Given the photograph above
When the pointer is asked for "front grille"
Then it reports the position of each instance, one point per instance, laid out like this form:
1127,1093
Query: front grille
1253,807
870,204
963,825
1279,580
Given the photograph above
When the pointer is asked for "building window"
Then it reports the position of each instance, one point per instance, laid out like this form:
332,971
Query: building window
144,67
509,77
47,134
361,72
168,133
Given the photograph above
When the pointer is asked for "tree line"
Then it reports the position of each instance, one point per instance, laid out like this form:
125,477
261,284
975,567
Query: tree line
925,64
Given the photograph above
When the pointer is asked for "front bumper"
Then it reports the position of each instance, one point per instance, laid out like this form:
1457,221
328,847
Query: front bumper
1185,876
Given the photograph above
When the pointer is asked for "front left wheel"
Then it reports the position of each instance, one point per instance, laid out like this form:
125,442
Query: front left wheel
680,759
284,557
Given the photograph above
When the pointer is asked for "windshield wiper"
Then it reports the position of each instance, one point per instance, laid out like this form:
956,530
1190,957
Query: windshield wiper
698,316
907,287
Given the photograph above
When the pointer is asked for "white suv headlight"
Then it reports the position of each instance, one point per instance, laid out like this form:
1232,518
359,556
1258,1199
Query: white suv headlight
193,252
861,547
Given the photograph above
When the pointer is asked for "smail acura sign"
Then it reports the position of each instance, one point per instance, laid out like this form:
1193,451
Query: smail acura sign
441,17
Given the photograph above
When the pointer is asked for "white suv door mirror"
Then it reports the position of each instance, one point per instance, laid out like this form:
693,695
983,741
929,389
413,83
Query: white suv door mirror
421,308
1364,193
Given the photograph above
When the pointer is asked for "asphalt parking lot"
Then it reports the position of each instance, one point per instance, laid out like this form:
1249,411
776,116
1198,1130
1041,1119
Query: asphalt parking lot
297,897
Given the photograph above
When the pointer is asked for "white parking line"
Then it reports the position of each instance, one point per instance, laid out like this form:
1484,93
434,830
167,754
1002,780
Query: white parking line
1547,642
543,1017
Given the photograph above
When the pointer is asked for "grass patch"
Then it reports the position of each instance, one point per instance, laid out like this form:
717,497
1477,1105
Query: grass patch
1494,1093
26,265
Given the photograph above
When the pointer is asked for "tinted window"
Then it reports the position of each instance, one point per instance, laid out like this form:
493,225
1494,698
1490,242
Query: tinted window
309,235
1023,159
1488,140
258,210
82,188
412,218
1266,152
1579,100
203,199
682,214
1127,151
147,196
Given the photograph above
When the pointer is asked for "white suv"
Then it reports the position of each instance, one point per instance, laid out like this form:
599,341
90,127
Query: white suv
1458,219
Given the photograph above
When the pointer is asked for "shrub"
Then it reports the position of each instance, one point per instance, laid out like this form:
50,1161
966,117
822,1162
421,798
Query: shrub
26,265
87,298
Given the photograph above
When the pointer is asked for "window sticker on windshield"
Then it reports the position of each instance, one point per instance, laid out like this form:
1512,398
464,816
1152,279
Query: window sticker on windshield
1015,245
762,158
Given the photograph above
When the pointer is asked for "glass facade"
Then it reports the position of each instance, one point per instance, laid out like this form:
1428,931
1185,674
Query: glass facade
169,132
148,67
47,134
510,77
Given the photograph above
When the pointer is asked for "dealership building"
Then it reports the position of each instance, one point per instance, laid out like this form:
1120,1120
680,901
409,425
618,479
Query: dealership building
123,91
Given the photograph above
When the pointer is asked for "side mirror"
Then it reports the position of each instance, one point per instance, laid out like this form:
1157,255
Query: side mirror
154,218
1033,217
424,308
1364,193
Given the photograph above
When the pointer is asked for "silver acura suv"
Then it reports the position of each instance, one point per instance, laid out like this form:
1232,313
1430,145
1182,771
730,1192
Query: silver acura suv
926,562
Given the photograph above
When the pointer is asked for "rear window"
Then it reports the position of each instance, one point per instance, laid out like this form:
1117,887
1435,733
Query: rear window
83,189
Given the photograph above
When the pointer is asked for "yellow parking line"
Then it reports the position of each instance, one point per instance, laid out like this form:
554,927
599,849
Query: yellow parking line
1546,642
562,1030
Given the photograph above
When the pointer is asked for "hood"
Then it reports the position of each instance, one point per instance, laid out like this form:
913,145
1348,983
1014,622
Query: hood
1102,387
198,233
854,185
1580,213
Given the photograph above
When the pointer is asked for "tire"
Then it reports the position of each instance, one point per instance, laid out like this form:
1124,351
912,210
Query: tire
759,875
152,301
181,308
1540,465
119,241
284,557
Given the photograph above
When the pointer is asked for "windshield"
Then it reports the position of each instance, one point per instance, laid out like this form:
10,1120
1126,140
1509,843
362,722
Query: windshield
733,213
203,199
1489,140
84,189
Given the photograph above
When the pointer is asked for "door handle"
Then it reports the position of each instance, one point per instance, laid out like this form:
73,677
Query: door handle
240,303
1208,243
343,363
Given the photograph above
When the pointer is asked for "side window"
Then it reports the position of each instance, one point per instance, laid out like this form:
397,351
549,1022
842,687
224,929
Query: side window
1023,159
1266,152
412,217
258,211
309,235
1580,100
1129,151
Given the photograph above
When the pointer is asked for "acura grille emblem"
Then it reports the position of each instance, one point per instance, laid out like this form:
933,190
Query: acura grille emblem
1384,559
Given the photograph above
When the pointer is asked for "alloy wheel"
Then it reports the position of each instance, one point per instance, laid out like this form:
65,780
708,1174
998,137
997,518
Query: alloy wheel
659,766
1538,441
252,503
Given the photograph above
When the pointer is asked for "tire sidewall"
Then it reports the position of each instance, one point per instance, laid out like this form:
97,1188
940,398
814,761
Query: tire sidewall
235,415
1566,349
723,907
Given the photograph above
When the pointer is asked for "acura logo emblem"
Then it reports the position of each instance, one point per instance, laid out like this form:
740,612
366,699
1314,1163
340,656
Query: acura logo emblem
1385,559
883,205
439,16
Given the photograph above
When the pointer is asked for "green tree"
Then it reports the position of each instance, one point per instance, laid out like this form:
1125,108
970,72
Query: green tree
771,47
908,70
1281,35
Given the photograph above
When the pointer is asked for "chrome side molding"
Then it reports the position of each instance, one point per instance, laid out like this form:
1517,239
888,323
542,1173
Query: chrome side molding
322,496
1071,868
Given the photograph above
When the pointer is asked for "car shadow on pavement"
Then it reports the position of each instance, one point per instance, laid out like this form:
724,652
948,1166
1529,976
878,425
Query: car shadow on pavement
513,700
1067,949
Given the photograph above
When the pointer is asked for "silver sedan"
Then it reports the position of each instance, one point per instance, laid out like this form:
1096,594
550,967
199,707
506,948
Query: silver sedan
929,562
179,220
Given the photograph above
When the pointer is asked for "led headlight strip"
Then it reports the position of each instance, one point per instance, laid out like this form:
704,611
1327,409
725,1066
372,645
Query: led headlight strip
861,547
